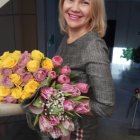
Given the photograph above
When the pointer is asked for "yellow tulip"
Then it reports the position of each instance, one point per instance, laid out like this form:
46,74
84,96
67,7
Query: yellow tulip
37,55
47,64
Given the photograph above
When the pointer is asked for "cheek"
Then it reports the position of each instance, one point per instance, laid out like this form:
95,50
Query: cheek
87,12
87,15
65,9
64,13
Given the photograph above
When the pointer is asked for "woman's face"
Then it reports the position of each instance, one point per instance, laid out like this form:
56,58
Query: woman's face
76,13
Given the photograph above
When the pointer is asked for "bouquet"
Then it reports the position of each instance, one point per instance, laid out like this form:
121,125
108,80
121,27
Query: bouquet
21,74
57,103
45,89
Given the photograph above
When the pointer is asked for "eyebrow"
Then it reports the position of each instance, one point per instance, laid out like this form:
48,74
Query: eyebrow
86,0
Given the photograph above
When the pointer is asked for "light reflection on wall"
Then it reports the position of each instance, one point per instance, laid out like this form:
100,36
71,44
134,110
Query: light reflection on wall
119,64
117,59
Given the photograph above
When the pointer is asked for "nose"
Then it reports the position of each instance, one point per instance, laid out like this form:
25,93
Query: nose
75,7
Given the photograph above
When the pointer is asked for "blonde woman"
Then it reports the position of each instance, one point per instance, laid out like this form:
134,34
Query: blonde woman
84,24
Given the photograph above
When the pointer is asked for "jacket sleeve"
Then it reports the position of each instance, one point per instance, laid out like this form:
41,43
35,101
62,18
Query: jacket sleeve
99,77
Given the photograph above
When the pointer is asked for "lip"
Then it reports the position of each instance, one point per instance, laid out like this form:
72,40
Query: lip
74,16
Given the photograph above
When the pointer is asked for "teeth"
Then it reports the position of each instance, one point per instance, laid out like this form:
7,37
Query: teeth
73,17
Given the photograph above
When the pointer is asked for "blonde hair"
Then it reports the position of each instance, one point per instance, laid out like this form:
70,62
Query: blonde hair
97,22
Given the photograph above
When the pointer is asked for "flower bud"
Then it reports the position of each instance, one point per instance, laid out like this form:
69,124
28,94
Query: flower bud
57,61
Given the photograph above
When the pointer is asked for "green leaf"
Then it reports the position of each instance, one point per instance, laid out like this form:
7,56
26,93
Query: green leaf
36,120
79,98
67,94
57,70
70,113
46,82
128,53
53,84
38,102
73,75
58,86
77,115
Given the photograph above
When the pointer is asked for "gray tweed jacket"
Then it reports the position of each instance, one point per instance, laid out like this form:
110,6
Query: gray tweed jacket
88,57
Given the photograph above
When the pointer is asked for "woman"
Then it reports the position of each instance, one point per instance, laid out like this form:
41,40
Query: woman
84,50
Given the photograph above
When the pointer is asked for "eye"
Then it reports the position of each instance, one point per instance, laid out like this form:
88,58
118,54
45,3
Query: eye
85,2
70,0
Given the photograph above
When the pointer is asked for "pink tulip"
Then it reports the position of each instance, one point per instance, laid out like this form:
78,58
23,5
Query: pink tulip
83,107
56,133
83,87
68,124
72,89
65,70
63,79
40,75
54,120
67,88
75,92
69,105
57,61
52,74
44,124
47,92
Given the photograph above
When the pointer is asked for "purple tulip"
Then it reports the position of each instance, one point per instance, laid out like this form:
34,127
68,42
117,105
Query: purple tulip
40,75
19,70
47,92
83,87
25,57
9,99
82,108
57,61
52,74
44,124
6,72
69,105
65,70
26,77
6,81
63,79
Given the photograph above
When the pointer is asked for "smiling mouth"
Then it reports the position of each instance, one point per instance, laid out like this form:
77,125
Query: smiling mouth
74,17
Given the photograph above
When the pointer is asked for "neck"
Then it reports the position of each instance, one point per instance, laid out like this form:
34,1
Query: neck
74,34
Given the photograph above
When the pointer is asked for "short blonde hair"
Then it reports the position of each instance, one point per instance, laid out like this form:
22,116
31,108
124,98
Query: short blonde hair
97,22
